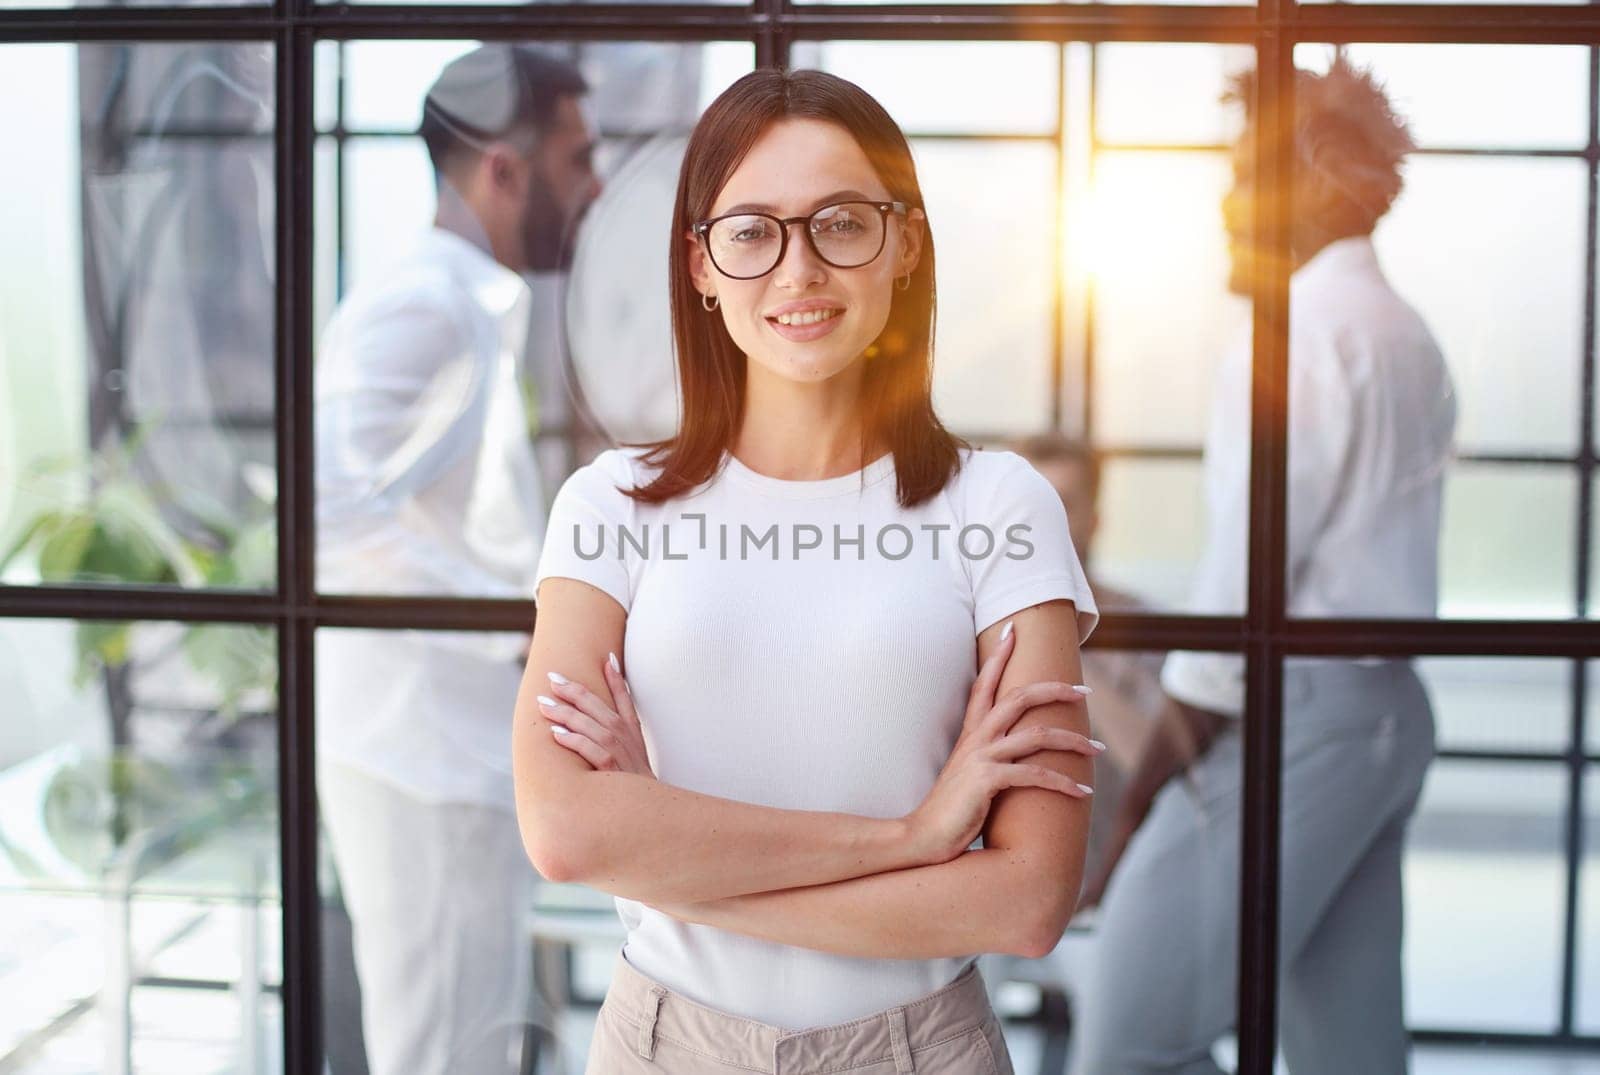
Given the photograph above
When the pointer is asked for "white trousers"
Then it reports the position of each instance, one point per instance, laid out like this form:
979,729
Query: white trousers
438,896
1163,978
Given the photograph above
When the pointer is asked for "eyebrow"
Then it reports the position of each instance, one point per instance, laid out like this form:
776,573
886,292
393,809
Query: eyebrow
826,199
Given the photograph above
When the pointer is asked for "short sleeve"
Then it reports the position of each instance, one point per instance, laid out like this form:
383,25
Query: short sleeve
1032,559
587,518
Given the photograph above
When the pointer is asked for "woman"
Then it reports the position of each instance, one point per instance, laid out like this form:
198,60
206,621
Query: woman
783,791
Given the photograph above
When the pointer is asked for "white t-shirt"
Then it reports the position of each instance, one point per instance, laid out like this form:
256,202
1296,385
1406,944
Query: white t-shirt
769,670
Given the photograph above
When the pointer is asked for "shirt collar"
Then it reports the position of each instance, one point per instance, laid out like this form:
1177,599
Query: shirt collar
495,287
1341,257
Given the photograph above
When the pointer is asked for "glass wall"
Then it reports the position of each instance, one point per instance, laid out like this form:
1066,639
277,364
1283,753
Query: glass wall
139,876
137,338
265,587
1503,175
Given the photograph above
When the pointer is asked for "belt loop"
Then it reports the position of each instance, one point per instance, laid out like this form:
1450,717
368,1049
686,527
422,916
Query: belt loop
903,1064
647,1030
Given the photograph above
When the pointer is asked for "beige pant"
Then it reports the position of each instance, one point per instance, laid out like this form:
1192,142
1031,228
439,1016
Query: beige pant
643,1027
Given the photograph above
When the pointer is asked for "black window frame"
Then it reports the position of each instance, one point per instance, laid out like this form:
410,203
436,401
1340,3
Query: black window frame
1265,634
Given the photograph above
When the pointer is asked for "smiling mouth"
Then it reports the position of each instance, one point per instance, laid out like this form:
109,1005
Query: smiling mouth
810,317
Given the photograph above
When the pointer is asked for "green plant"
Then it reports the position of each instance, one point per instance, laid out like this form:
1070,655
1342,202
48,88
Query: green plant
106,524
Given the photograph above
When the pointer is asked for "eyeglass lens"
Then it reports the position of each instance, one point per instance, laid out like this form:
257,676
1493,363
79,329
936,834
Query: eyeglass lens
846,236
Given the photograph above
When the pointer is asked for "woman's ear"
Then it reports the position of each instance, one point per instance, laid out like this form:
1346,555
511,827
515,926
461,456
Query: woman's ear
698,271
911,240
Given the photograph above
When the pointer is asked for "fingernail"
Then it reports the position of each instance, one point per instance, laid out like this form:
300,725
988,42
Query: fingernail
558,729
1081,689
1005,632
551,702
615,667
556,678
1086,789
1097,744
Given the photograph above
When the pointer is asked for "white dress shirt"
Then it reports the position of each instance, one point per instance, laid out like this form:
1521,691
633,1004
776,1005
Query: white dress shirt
427,483
1372,415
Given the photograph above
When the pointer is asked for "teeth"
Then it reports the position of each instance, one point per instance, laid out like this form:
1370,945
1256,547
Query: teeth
809,318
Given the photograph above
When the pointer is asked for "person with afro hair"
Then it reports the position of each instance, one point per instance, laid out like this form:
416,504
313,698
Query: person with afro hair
1371,421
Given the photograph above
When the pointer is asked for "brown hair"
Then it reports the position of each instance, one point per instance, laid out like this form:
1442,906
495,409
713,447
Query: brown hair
897,383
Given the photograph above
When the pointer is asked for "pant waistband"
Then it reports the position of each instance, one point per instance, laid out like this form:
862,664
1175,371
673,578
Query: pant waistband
656,1012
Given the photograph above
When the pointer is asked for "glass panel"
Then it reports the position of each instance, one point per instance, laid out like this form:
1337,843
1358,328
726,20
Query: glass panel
435,477
1127,705
386,180
1077,275
1151,970
633,86
139,848
414,789
1162,312
385,81
1157,322
1500,703
1591,708
1594,551
1398,869
136,323
1187,110
992,337
1151,524
1513,287
1586,1013
1488,836
1454,96
1508,548
326,89
1002,88
325,241
576,931
1421,480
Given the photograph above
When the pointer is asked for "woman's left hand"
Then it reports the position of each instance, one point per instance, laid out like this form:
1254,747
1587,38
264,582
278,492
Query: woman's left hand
600,735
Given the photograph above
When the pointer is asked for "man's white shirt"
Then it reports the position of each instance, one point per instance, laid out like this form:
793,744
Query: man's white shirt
427,483
1372,413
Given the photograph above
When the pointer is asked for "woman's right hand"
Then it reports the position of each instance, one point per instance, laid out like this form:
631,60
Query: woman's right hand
983,762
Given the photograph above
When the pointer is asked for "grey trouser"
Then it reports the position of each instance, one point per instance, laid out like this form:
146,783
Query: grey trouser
1357,743
645,1027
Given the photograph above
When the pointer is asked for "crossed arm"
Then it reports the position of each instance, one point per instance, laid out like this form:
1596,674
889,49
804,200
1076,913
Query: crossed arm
833,882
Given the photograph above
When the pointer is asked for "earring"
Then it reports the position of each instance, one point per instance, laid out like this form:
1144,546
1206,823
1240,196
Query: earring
712,305
903,287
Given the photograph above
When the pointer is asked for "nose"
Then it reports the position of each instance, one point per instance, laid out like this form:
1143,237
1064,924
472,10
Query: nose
800,264
1235,211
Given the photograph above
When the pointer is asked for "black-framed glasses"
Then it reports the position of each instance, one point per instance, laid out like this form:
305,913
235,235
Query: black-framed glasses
846,235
